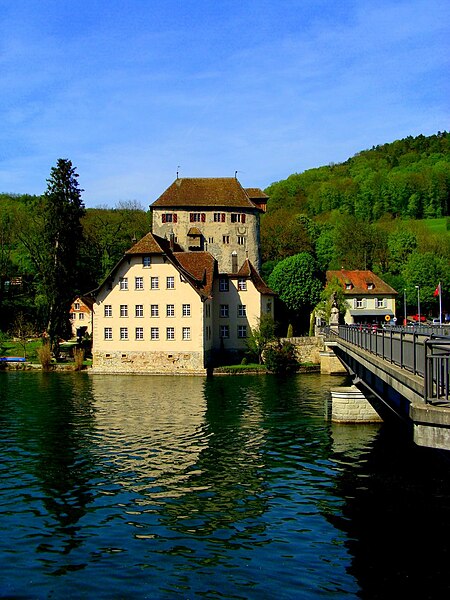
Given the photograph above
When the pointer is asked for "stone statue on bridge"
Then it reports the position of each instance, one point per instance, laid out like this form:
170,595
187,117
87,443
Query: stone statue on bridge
334,313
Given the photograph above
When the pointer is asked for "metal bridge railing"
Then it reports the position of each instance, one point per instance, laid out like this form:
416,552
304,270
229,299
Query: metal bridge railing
437,372
413,350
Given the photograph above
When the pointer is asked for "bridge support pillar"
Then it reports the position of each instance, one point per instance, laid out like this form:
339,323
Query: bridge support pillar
330,363
349,405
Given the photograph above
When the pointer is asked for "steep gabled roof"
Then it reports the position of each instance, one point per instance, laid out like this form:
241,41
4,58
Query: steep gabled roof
256,194
204,192
149,244
200,267
247,270
360,280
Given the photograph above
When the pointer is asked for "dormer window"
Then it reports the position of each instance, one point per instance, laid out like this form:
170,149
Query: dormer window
348,286
370,286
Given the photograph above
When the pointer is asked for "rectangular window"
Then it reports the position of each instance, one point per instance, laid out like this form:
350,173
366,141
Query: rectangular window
108,333
210,240
219,217
242,310
123,283
139,310
186,333
186,310
197,217
237,218
380,302
269,306
224,284
154,283
224,331
154,310
241,240
169,217
242,331
146,261
170,282
242,285
224,312
108,310
139,333
76,306
359,303
80,316
170,310
170,333
226,239
124,333
154,333
124,310
139,283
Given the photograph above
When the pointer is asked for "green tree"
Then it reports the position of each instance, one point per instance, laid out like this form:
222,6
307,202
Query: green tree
297,282
426,270
261,336
332,292
52,240
400,245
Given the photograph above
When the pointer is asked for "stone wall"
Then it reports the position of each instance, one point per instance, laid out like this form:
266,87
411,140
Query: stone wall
307,349
189,363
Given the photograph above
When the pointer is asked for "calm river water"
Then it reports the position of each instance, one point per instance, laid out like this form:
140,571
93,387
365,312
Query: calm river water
229,487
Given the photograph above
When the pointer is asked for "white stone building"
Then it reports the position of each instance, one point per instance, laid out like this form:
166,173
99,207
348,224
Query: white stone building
370,299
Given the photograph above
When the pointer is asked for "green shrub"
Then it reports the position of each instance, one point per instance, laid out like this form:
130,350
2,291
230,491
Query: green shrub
280,359
78,356
45,356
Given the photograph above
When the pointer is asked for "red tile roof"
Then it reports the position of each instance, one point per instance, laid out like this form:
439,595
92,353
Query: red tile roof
359,281
256,194
199,267
205,192
247,270
149,244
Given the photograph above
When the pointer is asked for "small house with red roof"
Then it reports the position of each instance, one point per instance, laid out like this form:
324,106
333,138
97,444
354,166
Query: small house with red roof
370,299
80,315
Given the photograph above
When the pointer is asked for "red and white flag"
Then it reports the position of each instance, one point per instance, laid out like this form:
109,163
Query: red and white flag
437,291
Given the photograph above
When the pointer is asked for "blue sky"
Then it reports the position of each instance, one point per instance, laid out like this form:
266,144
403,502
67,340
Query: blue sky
131,90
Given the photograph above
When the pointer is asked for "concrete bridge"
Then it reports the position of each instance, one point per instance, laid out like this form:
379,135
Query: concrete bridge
404,374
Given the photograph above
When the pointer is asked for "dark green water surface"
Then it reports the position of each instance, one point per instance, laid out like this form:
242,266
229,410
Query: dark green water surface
229,487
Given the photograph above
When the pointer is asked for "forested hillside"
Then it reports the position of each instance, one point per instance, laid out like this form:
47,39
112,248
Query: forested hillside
406,178
385,209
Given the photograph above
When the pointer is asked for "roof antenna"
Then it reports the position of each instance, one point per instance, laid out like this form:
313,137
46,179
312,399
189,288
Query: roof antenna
178,168
235,174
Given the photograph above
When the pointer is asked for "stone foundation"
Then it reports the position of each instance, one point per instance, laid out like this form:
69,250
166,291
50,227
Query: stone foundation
349,405
330,364
189,363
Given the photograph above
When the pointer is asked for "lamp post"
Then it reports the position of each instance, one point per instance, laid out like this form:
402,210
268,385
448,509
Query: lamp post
418,301
405,320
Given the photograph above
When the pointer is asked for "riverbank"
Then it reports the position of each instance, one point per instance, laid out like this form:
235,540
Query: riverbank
227,370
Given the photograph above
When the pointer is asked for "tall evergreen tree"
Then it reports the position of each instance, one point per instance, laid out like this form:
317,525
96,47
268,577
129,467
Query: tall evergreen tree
53,238
63,209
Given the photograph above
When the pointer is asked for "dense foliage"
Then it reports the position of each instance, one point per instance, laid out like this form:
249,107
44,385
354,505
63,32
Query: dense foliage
366,213
406,178
93,242
385,209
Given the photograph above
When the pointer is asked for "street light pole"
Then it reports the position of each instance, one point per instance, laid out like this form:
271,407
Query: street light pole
405,320
418,301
